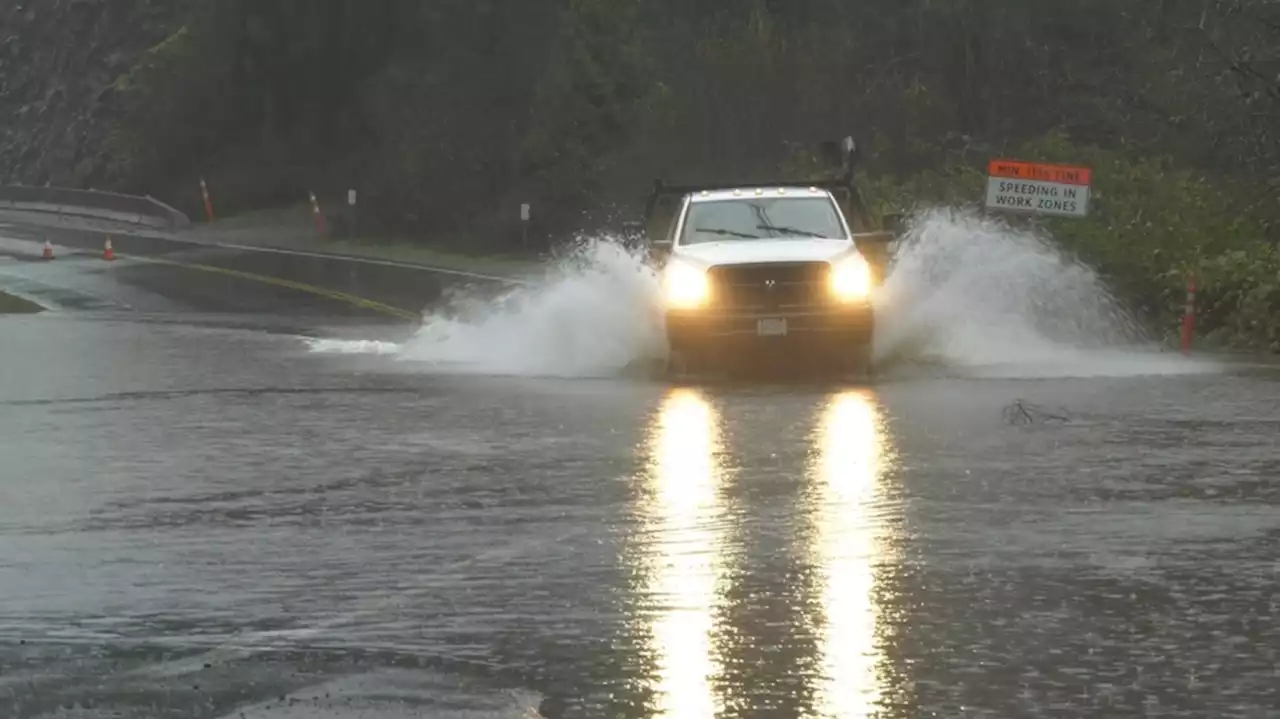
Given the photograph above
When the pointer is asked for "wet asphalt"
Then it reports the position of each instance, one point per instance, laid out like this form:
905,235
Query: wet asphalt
201,518
158,275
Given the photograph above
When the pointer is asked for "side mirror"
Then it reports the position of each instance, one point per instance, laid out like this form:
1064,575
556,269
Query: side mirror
850,149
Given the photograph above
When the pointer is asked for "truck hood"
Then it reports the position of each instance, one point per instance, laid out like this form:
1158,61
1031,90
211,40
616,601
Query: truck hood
737,252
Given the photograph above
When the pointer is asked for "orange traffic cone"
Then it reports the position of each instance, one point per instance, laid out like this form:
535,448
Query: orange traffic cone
48,250
107,253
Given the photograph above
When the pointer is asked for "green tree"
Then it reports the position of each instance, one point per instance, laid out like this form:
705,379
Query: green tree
584,106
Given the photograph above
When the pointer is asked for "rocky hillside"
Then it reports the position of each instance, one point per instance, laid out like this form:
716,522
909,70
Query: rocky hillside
58,61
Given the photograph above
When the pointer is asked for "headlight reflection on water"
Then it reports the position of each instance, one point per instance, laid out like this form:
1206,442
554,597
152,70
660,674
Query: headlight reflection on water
687,554
849,543
683,511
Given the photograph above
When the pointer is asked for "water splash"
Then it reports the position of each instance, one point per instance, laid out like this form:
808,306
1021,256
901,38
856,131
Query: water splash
354,347
594,314
965,294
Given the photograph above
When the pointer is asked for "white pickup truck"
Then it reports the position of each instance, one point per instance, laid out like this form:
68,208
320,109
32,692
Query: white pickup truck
773,269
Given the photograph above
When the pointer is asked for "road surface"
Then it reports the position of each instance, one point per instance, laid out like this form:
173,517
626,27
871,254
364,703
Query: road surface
199,517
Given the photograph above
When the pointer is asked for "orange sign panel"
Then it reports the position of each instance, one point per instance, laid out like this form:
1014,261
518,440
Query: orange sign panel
1063,174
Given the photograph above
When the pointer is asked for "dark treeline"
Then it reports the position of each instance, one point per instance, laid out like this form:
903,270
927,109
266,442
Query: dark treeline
432,105
448,114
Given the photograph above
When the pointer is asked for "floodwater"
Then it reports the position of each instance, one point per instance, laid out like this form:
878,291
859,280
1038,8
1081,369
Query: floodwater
205,518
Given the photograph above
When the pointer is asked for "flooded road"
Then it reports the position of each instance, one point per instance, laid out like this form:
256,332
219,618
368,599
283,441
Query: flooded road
224,495
214,521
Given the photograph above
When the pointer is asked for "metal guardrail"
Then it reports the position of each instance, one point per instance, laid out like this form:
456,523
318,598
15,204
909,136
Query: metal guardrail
92,203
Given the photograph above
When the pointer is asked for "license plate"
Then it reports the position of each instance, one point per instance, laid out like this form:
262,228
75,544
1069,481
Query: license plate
771,327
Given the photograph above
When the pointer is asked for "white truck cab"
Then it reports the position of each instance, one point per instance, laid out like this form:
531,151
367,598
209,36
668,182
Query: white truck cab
751,270
764,269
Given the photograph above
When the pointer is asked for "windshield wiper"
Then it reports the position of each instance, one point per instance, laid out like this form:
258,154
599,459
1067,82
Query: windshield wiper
790,230
720,231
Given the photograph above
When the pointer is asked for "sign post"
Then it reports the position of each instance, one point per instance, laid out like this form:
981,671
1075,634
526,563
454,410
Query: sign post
524,225
1037,189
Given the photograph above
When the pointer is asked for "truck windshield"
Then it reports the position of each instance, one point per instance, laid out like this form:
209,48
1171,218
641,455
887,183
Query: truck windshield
762,218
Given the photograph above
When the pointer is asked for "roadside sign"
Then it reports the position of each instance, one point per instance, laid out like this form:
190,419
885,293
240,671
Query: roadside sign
1038,189
524,212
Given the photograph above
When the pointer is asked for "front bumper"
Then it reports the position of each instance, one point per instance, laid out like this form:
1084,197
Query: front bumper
837,327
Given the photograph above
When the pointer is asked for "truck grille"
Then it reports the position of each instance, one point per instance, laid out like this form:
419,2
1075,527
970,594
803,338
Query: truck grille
771,286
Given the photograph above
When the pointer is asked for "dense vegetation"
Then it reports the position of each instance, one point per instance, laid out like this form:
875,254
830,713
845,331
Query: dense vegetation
448,114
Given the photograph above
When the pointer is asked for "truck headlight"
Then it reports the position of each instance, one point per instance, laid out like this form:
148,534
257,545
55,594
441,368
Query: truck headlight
685,286
851,279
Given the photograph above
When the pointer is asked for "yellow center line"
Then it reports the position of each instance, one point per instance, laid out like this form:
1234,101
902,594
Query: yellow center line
289,284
